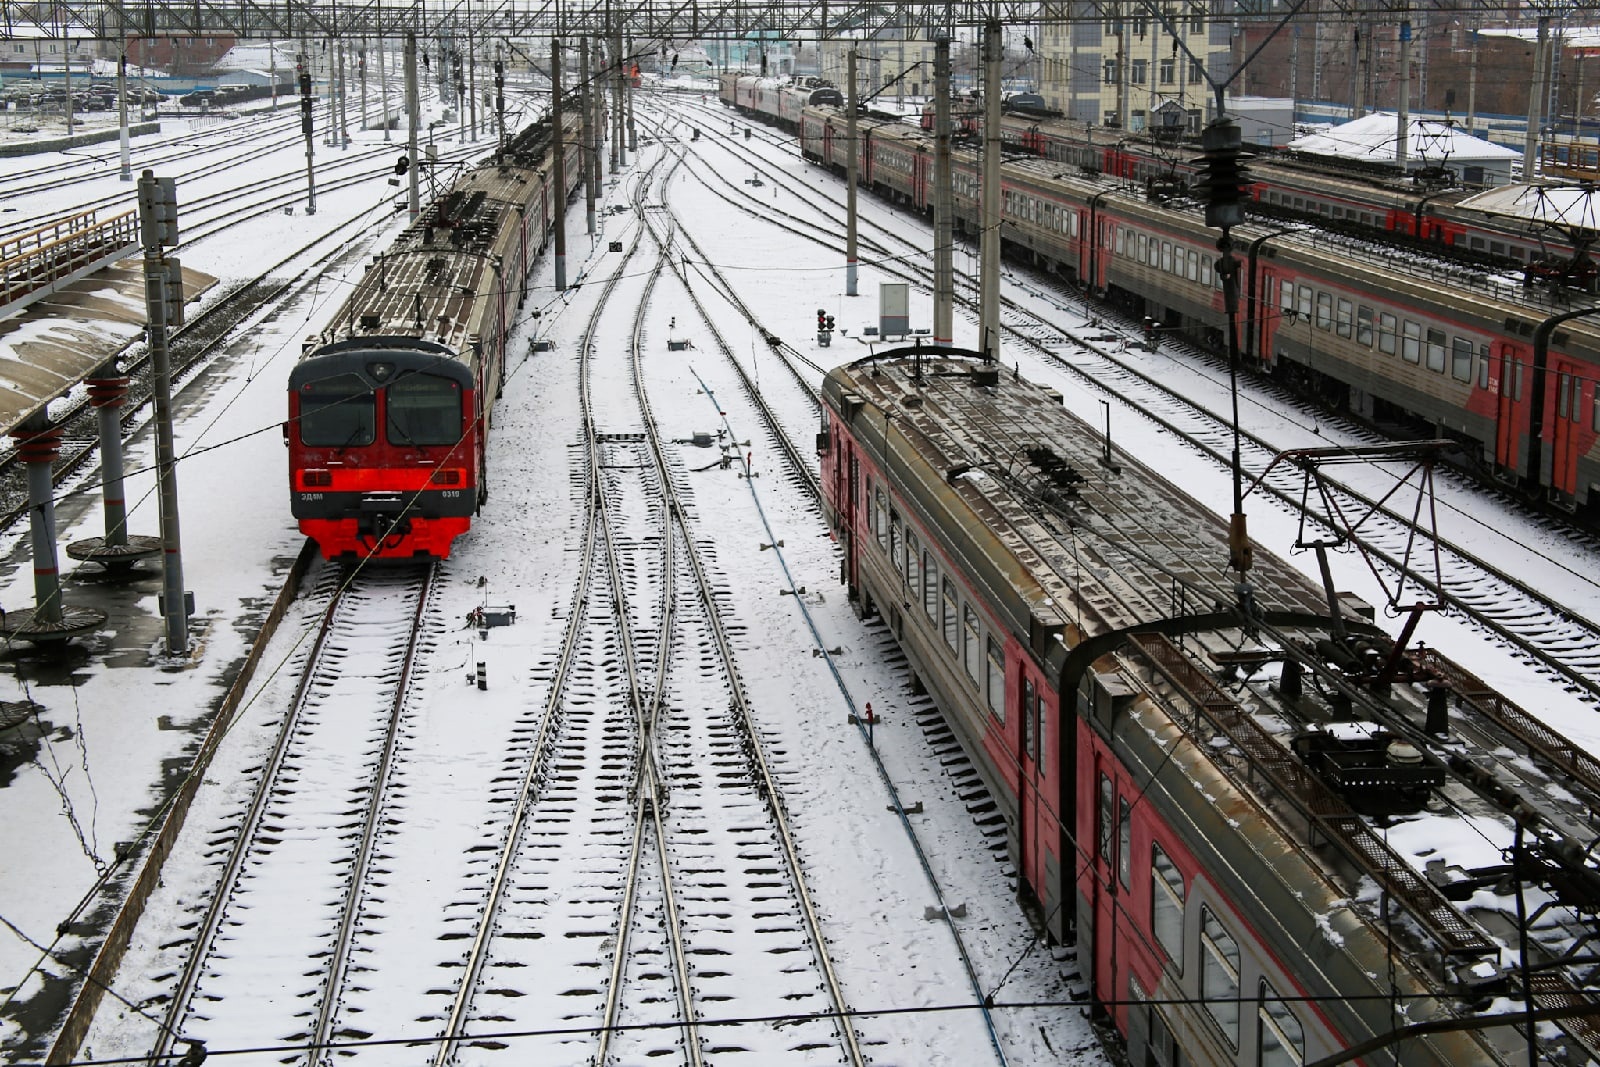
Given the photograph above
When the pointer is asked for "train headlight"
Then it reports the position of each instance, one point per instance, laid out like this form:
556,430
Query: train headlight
446,477
316,479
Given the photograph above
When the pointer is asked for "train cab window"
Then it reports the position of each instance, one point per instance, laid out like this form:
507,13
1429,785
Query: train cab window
1166,904
1124,841
1436,350
1219,975
1461,359
1386,333
1029,737
338,412
930,586
995,679
1324,311
1103,812
1342,315
1364,326
422,409
1280,1039
951,628
1411,344
971,642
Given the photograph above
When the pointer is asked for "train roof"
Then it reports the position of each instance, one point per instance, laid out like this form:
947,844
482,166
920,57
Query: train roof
1103,568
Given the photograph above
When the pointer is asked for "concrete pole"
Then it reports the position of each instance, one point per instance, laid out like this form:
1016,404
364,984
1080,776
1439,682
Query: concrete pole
619,100
633,135
943,207
989,242
852,144
126,174
611,119
108,393
383,84
472,80
597,101
414,201
1124,82
344,101
588,154
1472,77
361,69
558,198
1402,143
1536,96
272,71
38,444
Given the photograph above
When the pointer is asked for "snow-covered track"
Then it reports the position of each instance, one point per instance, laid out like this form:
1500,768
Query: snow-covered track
273,944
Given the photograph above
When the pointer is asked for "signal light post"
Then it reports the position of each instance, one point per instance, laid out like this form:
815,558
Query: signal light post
1221,185
158,229
824,328
304,71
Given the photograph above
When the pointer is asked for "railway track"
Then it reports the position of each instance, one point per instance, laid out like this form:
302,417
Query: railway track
1556,637
276,937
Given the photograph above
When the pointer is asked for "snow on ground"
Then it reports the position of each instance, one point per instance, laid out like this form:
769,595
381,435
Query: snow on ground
116,726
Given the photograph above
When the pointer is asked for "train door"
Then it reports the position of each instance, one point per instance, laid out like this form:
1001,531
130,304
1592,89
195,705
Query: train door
1083,244
827,142
849,475
1508,413
1564,430
1104,865
864,164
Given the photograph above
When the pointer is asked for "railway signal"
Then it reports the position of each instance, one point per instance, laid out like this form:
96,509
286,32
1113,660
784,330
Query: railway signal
1223,176
824,327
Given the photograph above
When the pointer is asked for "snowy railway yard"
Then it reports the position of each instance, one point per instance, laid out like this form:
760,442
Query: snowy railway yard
651,814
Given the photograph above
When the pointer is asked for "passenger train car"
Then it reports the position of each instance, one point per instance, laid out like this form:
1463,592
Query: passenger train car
1271,835
389,407
1505,367
777,101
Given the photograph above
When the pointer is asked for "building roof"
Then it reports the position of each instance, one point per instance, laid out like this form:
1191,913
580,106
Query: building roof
1568,206
1372,138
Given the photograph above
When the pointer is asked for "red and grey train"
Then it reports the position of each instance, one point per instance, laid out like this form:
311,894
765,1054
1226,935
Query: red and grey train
1269,836
390,407
1506,369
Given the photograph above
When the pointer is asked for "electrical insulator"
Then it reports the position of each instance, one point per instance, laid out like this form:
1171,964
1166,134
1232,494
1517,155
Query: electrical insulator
158,211
1223,177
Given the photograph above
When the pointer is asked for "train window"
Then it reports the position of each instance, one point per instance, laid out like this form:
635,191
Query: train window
1166,256
1594,417
971,642
1342,317
1122,241
1411,344
1386,333
1305,302
1461,359
1205,270
995,679
1364,325
1219,975
913,555
422,409
1280,1039
1436,350
1166,904
930,586
1104,818
897,545
1483,366
1194,266
1562,382
1324,310
950,626
1124,840
1041,722
337,412
1144,250
880,521
1286,298
1497,248
1029,738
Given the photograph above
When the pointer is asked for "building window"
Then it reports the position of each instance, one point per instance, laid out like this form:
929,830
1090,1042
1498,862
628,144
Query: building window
1219,975
1124,841
951,629
1140,71
1197,73
1279,1035
995,679
1111,72
1166,904
1197,20
1169,71
971,642
1461,359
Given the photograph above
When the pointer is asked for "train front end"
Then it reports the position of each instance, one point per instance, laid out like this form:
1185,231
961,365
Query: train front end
383,448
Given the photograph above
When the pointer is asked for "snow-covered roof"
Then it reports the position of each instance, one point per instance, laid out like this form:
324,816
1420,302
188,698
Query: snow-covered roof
255,56
1372,138
1559,205
1584,37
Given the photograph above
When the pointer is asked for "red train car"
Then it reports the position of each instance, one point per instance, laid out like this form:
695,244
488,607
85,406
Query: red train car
390,408
1249,826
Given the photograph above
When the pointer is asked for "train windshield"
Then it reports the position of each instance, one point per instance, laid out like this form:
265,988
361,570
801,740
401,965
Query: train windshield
423,410
337,412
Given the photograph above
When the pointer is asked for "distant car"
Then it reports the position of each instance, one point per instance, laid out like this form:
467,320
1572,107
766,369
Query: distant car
198,98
